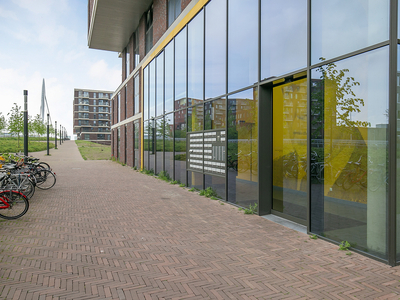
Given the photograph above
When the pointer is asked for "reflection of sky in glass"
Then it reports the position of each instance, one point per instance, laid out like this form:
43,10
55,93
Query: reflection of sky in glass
146,93
195,57
169,77
180,65
283,36
137,93
215,49
342,26
242,43
371,70
152,89
160,84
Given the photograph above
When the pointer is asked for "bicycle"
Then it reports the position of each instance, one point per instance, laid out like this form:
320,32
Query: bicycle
13,205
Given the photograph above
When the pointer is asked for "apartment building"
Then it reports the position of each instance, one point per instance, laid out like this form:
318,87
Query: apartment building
92,115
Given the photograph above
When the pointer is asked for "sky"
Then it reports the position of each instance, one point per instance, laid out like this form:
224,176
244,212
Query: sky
47,39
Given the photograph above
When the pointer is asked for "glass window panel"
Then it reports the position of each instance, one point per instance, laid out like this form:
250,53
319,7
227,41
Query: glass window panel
195,118
137,94
290,149
242,148
152,89
119,106
195,58
146,93
217,184
283,37
118,142
342,26
180,146
180,69
398,153
215,114
152,145
215,49
195,180
160,124
136,144
169,77
146,125
160,85
349,102
242,43
169,144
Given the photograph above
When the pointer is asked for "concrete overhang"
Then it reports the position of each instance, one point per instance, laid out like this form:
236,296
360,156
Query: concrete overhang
113,22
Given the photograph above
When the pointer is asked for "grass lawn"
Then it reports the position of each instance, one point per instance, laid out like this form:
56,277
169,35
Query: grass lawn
93,151
10,145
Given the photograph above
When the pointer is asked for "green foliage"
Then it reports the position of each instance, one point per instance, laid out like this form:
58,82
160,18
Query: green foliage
182,185
16,121
94,151
344,245
193,189
174,182
163,175
3,122
11,145
214,198
251,210
209,192
314,237
135,168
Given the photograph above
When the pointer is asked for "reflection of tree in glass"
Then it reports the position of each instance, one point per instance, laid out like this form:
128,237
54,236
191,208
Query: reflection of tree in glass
334,83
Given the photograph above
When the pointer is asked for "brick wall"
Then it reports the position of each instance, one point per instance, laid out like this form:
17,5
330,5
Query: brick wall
141,30
184,3
159,19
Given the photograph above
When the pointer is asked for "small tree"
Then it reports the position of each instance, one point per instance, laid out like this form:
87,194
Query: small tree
3,122
16,121
38,126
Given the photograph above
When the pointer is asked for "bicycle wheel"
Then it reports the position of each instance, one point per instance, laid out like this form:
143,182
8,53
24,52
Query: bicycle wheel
24,185
45,165
349,180
45,179
13,205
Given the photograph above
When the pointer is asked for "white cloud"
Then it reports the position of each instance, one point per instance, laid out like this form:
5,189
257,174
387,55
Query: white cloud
105,77
8,14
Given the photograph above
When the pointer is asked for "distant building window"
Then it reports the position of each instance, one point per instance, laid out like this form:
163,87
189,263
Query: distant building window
174,9
149,30
100,136
94,96
87,136
94,102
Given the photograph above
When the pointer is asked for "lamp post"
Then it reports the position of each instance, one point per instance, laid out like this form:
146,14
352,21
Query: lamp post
55,135
25,122
60,135
48,135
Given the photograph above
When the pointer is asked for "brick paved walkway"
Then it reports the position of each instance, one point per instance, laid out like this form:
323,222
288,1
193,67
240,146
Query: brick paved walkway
107,232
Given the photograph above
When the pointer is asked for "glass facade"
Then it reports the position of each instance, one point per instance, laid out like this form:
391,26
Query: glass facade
349,150
315,132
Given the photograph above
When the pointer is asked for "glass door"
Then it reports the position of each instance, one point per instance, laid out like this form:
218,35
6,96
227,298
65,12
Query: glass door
290,149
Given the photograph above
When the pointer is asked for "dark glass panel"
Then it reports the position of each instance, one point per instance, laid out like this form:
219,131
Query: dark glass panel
283,37
180,69
195,58
152,145
242,148
169,77
169,144
242,43
349,146
342,26
159,133
217,184
215,114
147,130
136,144
195,180
160,85
215,49
180,145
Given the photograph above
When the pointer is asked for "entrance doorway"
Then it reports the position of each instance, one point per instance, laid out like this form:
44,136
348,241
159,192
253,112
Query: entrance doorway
289,150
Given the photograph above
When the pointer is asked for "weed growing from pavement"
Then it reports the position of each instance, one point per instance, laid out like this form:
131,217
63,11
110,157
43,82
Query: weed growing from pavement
344,246
314,237
251,210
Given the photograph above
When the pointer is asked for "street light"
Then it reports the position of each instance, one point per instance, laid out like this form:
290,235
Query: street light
48,133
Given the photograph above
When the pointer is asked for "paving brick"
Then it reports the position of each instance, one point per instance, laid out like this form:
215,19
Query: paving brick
105,231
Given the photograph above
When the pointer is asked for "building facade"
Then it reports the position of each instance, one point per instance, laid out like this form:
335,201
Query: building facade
290,105
92,115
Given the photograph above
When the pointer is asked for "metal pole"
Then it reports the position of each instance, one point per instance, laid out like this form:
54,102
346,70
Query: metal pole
60,135
25,122
48,135
55,135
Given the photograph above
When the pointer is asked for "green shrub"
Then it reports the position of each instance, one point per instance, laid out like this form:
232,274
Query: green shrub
251,210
